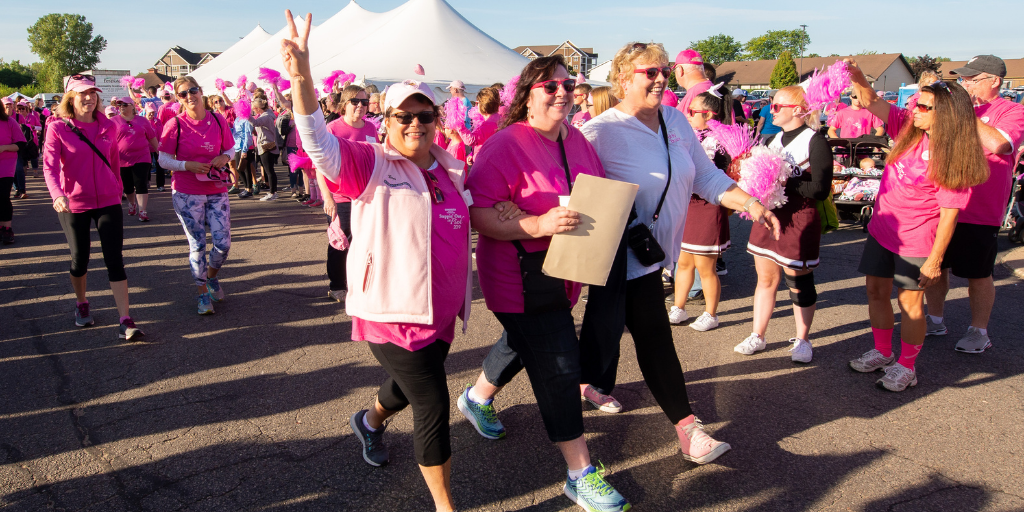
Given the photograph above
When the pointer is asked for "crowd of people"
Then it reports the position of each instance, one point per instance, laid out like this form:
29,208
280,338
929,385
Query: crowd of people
403,178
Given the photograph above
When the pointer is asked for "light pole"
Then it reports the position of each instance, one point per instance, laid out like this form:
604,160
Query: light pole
804,27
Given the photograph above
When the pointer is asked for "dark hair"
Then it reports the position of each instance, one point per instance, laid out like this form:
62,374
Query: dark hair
710,72
537,70
488,100
498,86
3,113
584,88
956,161
151,90
722,107
349,92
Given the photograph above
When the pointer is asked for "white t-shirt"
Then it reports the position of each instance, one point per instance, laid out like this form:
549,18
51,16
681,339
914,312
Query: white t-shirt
631,152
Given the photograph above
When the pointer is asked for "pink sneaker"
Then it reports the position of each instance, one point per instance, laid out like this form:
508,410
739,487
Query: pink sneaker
317,204
696,445
133,209
605,403
308,202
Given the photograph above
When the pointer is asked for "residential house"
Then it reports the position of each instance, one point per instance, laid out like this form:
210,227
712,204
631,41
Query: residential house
581,60
180,62
885,72
1014,72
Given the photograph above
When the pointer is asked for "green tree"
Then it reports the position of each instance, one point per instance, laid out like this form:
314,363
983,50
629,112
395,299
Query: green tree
773,43
812,55
718,49
867,52
784,73
15,74
66,45
924,63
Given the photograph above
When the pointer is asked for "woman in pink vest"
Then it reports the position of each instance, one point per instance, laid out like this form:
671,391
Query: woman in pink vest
81,166
11,140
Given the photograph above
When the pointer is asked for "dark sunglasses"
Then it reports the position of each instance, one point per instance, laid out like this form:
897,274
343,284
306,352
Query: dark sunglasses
652,73
637,47
777,107
435,192
87,78
424,117
185,93
551,86
924,109
853,97
356,102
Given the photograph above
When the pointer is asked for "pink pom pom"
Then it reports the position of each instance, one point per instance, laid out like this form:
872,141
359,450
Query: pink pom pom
418,70
270,76
331,80
139,83
243,108
46,112
736,139
763,175
127,81
826,87
219,85
240,83
284,84
297,162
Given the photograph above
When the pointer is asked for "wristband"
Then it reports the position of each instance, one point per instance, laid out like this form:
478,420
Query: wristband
749,202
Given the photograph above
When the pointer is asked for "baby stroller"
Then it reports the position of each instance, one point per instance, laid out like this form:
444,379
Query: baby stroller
1014,220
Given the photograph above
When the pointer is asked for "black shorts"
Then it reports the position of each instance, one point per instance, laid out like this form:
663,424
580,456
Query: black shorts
135,179
972,251
881,262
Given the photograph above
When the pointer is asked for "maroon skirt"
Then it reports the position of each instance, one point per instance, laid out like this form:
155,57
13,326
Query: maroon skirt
799,243
706,232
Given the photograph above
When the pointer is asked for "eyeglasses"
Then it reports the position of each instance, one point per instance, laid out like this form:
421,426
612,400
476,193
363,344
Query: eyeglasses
356,102
551,86
924,109
695,112
974,80
435,192
424,117
777,107
652,73
185,93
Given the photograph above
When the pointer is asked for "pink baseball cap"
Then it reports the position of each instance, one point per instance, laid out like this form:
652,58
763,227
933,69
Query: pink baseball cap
126,100
669,99
150,107
81,83
7,100
399,92
689,56
457,84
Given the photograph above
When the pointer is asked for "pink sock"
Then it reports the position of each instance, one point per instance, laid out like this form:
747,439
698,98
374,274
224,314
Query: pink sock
126,317
908,354
883,341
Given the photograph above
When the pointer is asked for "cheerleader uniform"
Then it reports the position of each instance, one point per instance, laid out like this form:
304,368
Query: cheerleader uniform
706,232
798,245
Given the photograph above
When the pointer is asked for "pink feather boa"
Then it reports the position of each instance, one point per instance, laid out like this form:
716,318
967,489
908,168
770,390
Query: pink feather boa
736,139
826,87
454,114
243,108
508,93
296,162
763,174
219,85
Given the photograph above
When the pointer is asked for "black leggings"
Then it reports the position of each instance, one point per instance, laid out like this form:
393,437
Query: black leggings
160,177
110,226
418,379
247,170
267,161
6,207
136,178
335,258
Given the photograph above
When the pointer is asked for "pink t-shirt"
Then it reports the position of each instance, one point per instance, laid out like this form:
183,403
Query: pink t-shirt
133,140
906,215
342,130
487,130
200,141
32,121
691,93
580,118
852,123
448,257
457,148
521,166
988,200
10,132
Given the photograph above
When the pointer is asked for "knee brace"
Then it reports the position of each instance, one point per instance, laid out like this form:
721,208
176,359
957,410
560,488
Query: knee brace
805,295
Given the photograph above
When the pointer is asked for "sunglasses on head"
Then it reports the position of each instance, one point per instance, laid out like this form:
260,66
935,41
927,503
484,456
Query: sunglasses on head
424,117
637,47
652,73
435,192
924,109
87,78
185,93
943,85
551,86
777,107
356,102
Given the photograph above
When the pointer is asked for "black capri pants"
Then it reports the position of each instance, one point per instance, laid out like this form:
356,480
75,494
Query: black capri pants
6,207
136,178
418,379
110,226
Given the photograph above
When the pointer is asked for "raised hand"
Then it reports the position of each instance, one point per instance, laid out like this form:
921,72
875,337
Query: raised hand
295,48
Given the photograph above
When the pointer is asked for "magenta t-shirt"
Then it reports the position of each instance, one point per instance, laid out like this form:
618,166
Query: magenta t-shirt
691,93
10,132
133,140
200,141
852,123
906,215
580,118
519,165
448,258
342,130
988,200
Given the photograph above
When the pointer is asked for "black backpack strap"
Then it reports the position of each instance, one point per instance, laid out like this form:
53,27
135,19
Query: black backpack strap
520,248
74,129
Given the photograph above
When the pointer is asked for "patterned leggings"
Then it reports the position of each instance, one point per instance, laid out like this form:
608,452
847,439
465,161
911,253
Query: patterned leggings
196,212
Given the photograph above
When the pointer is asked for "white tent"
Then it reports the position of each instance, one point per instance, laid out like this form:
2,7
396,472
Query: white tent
210,70
383,48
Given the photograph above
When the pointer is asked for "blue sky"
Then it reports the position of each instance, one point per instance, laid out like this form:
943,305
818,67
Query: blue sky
911,27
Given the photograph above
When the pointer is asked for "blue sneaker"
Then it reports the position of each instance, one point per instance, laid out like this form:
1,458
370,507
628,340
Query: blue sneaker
594,494
482,417
205,304
374,451
213,287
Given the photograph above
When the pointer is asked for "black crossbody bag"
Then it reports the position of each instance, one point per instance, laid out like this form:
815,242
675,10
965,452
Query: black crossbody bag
541,292
640,237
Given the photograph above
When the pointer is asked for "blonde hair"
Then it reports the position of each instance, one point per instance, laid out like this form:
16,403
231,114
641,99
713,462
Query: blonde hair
603,99
812,118
66,109
625,61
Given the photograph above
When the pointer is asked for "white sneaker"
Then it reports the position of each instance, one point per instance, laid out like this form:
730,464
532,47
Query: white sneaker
752,344
872,361
269,197
897,378
704,322
801,350
677,315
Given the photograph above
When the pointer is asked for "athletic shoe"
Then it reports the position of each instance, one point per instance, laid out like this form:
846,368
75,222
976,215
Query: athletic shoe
143,217
160,189
7,235
974,342
128,331
243,194
872,361
337,295
802,351
667,278
482,417
133,209
677,315
594,494
697,446
24,195
752,344
82,316
264,186
295,193
720,267
205,304
696,298
604,403
308,202
214,289
374,451
704,322
897,378
302,198
269,197
233,190
316,204
934,329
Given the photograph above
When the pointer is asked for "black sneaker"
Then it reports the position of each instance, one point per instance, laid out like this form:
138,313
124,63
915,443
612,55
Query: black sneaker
128,331
7,235
374,451
720,268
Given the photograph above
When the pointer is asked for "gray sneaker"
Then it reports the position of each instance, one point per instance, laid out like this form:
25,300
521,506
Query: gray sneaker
214,289
872,361
205,304
974,342
128,331
897,378
337,295
82,316
374,451
934,329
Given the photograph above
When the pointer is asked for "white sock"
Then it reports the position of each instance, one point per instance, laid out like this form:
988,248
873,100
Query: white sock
984,332
367,425
476,399
935,319
576,474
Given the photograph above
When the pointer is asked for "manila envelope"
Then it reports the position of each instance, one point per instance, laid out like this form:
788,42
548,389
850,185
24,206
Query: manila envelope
585,254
